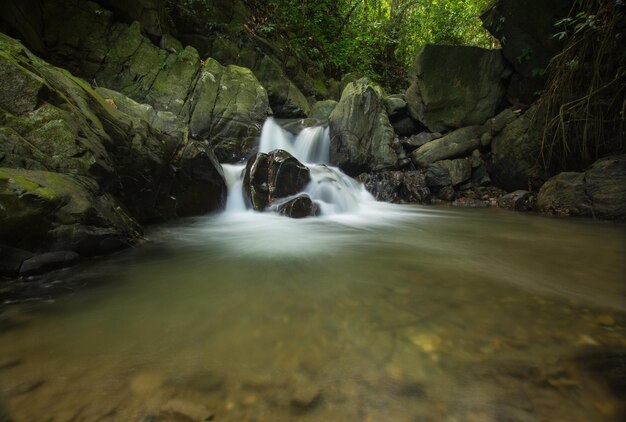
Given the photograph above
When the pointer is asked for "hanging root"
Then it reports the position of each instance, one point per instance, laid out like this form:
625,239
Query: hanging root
584,99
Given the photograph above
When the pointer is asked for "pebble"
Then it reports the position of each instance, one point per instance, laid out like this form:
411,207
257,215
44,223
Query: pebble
305,397
429,343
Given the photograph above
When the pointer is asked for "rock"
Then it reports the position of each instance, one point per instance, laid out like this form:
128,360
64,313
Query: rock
199,185
455,86
227,105
520,200
514,162
600,191
411,143
361,135
480,176
272,176
500,121
455,144
171,44
397,186
606,186
395,105
448,172
565,194
11,260
285,98
43,210
299,207
469,203
48,261
475,159
321,110
527,29
447,193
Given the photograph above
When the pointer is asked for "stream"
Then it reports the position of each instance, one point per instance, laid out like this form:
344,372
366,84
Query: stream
381,313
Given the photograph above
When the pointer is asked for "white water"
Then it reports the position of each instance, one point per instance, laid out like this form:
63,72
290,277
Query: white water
332,190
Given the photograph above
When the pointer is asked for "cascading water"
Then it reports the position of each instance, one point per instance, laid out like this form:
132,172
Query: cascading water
332,190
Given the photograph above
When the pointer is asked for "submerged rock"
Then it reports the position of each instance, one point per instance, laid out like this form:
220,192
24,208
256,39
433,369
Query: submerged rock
455,86
272,176
361,134
48,261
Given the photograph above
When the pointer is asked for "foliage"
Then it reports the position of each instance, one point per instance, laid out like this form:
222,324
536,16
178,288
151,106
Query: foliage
585,98
377,38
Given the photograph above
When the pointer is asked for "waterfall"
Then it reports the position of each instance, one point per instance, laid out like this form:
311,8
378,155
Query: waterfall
332,190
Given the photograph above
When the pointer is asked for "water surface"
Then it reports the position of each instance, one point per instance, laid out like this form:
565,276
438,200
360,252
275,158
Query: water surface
396,313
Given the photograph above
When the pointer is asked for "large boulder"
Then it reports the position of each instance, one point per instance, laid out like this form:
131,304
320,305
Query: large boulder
227,108
322,110
448,173
514,162
526,31
459,143
269,177
455,86
43,210
599,192
361,134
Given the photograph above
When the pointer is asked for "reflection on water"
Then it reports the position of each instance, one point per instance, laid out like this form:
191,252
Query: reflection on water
393,314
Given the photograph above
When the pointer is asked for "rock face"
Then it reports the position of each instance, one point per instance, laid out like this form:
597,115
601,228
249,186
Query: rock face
361,135
77,173
272,176
397,186
514,162
600,191
455,86
225,105
527,30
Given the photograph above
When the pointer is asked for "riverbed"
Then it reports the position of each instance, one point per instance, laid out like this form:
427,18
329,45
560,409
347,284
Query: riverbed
397,313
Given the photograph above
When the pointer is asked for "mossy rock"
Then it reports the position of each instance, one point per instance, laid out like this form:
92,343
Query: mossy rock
361,134
43,210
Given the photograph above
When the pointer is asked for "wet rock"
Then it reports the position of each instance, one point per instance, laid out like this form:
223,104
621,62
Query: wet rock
459,143
520,200
397,186
48,261
455,86
361,134
299,207
272,176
